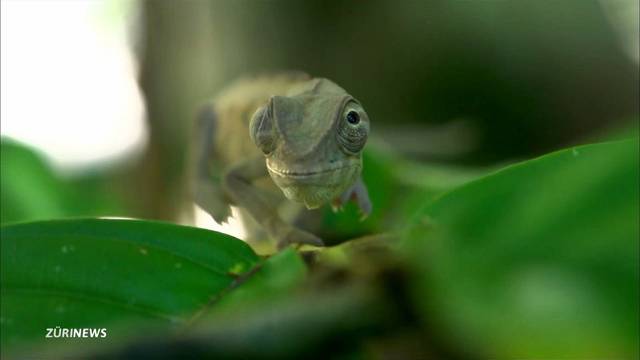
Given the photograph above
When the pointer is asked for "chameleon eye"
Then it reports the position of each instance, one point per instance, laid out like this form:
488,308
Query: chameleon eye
353,131
353,117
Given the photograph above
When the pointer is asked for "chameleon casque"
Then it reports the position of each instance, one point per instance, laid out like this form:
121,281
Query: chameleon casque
303,134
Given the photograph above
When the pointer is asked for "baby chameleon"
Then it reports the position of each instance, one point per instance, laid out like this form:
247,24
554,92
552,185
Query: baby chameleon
306,134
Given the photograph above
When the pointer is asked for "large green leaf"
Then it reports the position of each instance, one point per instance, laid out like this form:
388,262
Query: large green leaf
539,259
103,273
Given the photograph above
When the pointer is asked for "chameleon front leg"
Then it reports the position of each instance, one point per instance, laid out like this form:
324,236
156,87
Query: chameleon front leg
358,193
238,183
208,192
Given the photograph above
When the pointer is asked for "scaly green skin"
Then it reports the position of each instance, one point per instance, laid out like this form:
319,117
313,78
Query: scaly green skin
299,131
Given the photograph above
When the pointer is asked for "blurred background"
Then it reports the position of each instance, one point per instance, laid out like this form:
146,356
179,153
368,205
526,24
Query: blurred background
98,99
104,92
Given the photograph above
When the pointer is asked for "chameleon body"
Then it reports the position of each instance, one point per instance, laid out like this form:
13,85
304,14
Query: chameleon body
303,134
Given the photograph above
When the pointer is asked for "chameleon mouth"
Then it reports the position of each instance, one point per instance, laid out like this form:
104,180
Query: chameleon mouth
316,186
302,174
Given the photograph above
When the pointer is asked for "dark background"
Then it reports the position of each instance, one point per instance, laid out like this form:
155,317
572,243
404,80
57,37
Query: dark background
516,78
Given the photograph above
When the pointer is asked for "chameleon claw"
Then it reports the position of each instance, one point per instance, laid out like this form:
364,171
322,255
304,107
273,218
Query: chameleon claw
365,210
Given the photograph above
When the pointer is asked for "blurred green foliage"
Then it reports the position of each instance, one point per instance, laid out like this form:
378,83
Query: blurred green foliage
396,186
29,189
536,259
32,190
539,259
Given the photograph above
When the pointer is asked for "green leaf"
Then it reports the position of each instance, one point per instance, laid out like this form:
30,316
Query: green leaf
29,189
539,259
333,322
394,184
270,281
346,224
104,273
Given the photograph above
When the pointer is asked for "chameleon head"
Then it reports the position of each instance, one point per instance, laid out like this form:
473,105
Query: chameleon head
312,140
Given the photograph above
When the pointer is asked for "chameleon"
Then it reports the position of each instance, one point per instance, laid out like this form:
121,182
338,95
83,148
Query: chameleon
302,134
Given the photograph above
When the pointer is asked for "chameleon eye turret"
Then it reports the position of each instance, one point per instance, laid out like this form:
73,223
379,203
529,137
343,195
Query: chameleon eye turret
261,130
353,130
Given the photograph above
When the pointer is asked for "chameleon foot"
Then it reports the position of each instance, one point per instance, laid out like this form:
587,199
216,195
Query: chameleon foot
297,236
